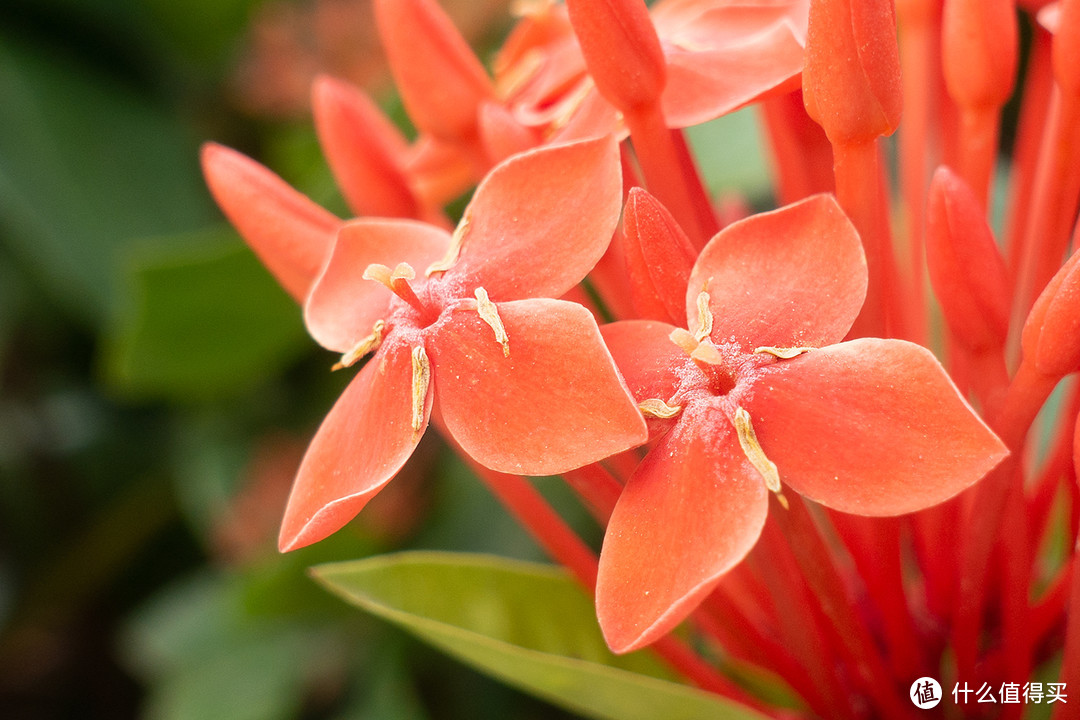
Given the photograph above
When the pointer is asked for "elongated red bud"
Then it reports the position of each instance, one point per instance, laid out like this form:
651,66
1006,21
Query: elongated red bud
291,234
621,49
1052,332
364,149
851,82
979,51
440,80
1066,48
659,258
966,269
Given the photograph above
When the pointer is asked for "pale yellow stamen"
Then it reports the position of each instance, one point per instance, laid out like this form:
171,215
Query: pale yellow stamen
684,339
783,353
657,408
752,449
708,354
381,273
489,313
368,344
705,318
421,378
454,251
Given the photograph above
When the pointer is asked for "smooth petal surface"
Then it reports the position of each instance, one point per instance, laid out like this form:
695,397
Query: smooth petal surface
788,278
693,509
540,221
554,403
870,427
291,234
646,357
705,82
365,150
359,447
343,306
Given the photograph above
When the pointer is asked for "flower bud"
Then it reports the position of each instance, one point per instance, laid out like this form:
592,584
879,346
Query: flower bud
966,269
621,49
979,50
1066,47
365,151
851,82
291,234
440,79
659,258
1052,332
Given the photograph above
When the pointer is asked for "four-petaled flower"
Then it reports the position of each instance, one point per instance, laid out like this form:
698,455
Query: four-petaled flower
755,395
523,385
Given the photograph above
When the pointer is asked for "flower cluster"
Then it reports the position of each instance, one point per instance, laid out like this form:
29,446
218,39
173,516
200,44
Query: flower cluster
718,373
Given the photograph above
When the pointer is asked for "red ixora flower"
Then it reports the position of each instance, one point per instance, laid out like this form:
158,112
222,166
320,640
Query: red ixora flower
523,385
756,395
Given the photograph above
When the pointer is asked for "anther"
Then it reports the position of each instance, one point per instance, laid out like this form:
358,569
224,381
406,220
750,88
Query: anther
368,344
752,449
421,378
657,408
489,313
705,317
783,353
452,252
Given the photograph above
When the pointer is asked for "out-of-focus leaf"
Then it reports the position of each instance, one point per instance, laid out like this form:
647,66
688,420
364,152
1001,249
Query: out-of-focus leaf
730,155
205,658
205,321
529,625
86,166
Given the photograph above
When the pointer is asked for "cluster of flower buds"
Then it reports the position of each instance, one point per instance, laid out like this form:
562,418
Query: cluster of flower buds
732,396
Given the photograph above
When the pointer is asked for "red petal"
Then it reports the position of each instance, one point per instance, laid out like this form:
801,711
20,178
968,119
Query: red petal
693,509
646,357
554,404
540,221
343,306
361,444
787,278
715,74
290,234
871,427
365,150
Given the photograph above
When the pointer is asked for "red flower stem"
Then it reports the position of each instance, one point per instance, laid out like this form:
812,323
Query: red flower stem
818,566
1070,664
1023,400
874,545
1034,112
920,61
801,157
1048,612
800,627
597,487
979,129
1058,466
1055,194
1016,575
861,192
667,176
936,532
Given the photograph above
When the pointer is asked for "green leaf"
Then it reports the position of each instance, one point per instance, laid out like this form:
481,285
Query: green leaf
86,166
205,321
529,625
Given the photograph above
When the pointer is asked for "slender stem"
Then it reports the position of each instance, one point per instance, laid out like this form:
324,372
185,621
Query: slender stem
861,191
818,567
978,149
1070,664
670,174
597,487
